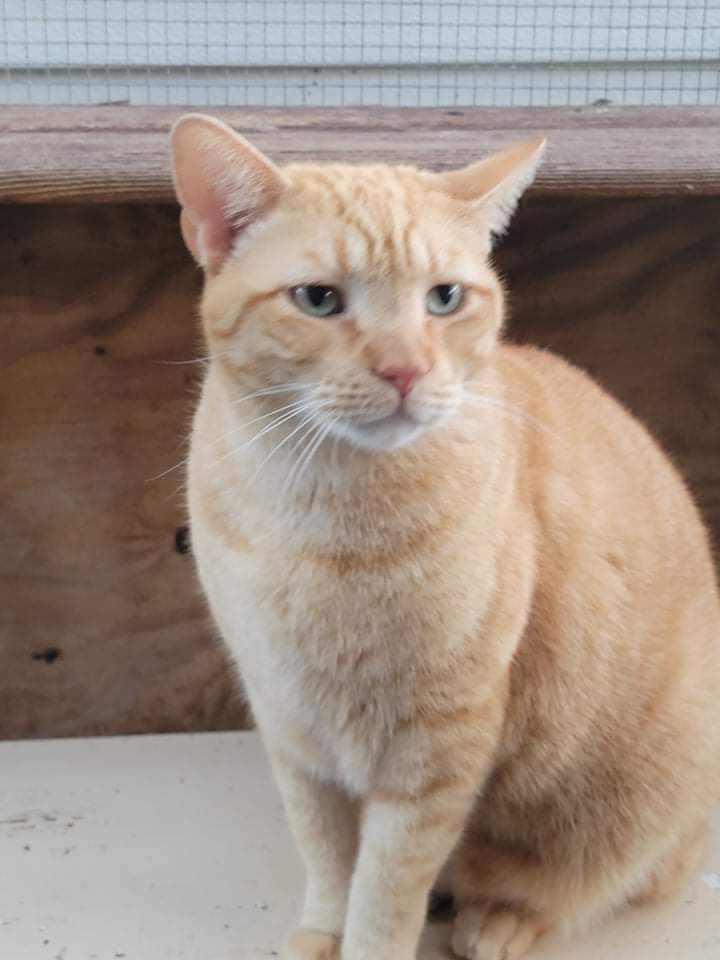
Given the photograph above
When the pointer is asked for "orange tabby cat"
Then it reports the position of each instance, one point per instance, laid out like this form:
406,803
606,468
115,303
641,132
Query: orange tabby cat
471,601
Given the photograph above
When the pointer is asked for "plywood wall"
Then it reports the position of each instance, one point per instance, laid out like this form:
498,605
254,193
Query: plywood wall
102,629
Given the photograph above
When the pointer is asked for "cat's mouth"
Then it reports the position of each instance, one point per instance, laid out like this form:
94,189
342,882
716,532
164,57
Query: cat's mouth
394,430
401,418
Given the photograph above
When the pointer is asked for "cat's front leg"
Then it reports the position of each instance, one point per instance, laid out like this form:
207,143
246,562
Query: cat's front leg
324,821
406,839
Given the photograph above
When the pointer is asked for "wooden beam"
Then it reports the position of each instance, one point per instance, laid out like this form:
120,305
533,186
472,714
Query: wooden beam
120,154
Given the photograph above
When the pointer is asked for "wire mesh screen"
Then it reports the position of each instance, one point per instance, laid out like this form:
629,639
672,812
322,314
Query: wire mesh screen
327,53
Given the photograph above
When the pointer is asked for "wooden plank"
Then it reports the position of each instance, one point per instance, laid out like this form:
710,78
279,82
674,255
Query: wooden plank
102,629
94,298
106,155
30,119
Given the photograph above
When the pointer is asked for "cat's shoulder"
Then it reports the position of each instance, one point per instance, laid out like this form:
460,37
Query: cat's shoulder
566,397
537,369
569,403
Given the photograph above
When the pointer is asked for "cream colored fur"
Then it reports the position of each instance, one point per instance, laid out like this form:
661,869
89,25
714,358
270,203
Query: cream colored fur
478,627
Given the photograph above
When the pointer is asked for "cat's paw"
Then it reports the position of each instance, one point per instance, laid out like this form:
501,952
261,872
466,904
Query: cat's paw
312,945
484,932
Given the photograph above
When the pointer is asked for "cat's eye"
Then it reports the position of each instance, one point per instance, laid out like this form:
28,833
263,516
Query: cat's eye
445,298
317,299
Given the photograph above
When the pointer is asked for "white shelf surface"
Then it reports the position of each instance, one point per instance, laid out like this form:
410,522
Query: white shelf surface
175,848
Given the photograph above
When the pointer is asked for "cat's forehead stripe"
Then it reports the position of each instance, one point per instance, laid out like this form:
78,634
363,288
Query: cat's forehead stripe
378,218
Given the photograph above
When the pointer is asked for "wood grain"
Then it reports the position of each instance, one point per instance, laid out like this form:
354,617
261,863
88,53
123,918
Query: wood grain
112,154
102,629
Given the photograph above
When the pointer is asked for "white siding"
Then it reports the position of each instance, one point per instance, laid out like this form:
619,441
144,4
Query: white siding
330,51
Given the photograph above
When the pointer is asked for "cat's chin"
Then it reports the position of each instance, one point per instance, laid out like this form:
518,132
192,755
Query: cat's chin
388,433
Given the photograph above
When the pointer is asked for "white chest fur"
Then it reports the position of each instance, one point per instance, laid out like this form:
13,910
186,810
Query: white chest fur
344,620
333,663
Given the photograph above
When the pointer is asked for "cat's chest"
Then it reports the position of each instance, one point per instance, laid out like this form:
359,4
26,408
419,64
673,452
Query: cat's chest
322,619
333,659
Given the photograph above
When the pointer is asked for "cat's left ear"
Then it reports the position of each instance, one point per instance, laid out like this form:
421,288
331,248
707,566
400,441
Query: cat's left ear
494,186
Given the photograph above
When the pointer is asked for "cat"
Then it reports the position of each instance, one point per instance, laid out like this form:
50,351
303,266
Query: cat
471,601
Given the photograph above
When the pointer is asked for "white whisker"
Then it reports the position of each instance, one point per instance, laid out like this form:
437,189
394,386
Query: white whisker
296,405
282,443
308,436
159,476
312,448
510,409
182,363
271,391
261,433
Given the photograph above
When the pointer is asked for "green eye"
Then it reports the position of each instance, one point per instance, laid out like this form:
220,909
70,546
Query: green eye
445,298
317,300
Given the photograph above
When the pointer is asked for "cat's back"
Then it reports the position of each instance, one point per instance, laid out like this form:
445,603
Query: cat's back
568,401
626,607
576,432
620,536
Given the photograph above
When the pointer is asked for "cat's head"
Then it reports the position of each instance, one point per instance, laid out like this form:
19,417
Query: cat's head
366,292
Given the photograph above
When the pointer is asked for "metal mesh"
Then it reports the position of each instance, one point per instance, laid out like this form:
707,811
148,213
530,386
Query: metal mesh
327,53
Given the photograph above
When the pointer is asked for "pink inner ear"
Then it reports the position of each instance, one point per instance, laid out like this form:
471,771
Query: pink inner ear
223,184
189,234
208,231
219,234
220,211
217,241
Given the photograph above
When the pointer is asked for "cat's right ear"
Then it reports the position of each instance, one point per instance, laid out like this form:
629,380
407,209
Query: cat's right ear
222,183
493,187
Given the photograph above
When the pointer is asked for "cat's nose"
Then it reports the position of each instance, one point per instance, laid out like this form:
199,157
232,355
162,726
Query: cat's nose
402,378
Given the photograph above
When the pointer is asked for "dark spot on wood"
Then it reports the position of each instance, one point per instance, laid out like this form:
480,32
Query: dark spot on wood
182,540
47,656
454,113
100,350
27,256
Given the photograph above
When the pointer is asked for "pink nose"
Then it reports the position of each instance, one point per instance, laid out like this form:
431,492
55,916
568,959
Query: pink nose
402,378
